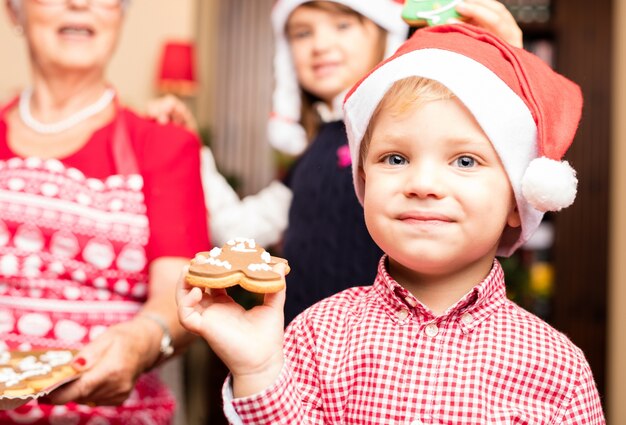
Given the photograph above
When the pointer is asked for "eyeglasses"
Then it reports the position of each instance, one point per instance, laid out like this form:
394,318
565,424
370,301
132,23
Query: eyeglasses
99,3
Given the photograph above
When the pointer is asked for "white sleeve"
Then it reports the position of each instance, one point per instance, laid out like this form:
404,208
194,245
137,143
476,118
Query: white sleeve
262,217
227,399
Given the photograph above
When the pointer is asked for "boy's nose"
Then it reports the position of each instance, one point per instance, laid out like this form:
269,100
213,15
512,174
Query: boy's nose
423,181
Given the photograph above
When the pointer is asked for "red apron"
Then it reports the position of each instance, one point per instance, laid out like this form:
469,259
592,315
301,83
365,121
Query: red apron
73,262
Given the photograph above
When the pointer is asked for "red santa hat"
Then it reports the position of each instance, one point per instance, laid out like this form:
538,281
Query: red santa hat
284,130
529,112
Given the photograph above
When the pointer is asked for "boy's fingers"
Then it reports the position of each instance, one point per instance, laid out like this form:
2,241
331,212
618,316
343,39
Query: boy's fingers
188,316
280,268
182,287
217,292
190,299
275,300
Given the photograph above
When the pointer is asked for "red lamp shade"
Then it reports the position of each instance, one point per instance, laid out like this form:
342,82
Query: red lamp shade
177,69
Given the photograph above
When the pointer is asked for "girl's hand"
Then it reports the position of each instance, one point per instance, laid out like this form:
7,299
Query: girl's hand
249,342
110,365
170,109
494,17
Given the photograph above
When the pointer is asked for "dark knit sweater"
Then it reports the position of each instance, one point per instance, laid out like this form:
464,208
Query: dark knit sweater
326,242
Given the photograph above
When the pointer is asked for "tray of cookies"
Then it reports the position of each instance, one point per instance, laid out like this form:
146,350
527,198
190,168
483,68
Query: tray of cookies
26,375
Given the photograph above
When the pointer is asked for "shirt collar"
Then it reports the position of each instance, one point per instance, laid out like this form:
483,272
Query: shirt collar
474,307
334,112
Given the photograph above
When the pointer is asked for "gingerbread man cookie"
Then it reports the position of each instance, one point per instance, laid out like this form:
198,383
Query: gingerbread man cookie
240,261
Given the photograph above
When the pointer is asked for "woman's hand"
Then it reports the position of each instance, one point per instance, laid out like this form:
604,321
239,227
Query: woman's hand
170,109
494,17
111,364
249,342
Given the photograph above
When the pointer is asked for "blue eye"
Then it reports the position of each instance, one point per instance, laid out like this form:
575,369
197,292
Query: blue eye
395,159
465,161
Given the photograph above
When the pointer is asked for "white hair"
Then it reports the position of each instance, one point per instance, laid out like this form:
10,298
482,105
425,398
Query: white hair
16,5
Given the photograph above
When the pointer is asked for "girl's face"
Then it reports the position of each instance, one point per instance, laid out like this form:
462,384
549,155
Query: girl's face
331,50
70,35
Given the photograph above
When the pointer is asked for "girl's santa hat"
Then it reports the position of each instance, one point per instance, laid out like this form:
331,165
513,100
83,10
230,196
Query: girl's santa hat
284,130
529,112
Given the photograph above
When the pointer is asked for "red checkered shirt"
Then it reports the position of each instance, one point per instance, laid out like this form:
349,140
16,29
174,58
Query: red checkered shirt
376,355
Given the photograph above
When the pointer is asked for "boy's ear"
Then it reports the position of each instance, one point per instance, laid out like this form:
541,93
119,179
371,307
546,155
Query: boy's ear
514,220
361,173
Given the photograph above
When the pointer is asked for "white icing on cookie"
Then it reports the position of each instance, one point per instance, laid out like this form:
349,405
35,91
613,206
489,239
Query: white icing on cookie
219,263
57,357
259,267
243,245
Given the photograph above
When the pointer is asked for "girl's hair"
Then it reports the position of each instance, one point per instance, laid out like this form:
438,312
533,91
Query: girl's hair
404,95
309,118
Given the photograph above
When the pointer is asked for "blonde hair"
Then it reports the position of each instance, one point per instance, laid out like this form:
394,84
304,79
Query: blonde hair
309,118
404,95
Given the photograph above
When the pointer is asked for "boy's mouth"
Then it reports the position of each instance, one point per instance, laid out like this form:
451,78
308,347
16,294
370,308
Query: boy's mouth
424,216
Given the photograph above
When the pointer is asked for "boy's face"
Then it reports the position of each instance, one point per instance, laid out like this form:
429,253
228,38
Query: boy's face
331,51
436,195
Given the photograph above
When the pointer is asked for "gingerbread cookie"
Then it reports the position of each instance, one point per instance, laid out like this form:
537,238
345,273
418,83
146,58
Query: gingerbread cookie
419,13
28,375
240,261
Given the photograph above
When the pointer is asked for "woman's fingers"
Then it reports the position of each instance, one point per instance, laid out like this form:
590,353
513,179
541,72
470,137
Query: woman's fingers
85,361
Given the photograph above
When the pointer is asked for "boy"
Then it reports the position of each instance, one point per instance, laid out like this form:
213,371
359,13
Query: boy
456,141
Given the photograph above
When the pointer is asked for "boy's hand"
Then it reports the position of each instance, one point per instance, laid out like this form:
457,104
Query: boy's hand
492,16
249,342
170,109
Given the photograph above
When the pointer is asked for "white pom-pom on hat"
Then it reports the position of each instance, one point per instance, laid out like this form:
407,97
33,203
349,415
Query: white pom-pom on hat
287,136
549,185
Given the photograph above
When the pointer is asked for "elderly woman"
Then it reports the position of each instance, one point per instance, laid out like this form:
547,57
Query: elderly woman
99,210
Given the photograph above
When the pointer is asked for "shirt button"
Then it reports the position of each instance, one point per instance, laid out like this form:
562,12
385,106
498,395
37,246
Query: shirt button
467,319
411,301
402,314
432,330
416,422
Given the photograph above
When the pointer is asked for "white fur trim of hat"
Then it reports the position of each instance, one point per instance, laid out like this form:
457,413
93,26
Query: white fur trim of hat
284,130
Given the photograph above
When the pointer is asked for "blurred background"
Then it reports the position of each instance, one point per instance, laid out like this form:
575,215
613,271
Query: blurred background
217,57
